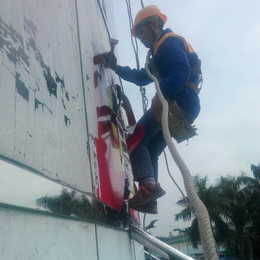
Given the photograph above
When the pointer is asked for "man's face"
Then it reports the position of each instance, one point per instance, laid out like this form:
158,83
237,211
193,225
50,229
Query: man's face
144,34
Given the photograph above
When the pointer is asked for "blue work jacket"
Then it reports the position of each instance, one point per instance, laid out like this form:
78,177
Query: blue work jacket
174,65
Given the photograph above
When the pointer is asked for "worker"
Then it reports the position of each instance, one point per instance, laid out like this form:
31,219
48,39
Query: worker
174,64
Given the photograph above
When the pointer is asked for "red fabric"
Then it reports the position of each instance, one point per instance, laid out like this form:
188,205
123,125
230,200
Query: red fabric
133,139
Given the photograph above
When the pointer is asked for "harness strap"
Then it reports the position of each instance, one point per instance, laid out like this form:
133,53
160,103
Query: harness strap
190,84
188,48
196,71
194,86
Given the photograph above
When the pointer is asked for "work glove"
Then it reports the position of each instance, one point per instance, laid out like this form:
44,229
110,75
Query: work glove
156,108
111,60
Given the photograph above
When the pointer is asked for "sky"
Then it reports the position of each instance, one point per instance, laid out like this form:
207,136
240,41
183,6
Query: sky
226,36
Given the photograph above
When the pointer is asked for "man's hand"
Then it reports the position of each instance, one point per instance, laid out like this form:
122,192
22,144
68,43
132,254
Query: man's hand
111,60
157,108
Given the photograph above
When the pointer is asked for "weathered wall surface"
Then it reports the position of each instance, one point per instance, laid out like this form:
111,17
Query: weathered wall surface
42,115
53,98
56,110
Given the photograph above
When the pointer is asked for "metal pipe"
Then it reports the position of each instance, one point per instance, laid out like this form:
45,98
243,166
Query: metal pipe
156,245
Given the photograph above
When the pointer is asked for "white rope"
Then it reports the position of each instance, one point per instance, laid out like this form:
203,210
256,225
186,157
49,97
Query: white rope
206,235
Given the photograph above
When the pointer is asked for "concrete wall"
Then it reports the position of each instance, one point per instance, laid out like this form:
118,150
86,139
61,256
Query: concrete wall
50,92
48,117
31,234
43,120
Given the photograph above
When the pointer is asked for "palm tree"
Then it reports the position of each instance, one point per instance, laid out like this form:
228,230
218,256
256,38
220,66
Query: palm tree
234,209
256,212
209,198
253,186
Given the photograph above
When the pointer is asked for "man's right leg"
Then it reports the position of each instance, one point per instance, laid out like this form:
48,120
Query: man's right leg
155,148
149,189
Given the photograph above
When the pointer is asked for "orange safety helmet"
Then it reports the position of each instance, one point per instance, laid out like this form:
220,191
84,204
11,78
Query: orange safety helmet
146,12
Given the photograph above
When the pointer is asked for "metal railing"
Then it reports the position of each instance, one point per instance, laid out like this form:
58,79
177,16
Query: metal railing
156,245
153,257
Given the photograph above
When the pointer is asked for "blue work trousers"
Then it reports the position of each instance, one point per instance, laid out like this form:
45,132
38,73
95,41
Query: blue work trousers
144,158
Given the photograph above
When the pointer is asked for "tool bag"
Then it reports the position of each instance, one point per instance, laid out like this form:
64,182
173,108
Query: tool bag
180,129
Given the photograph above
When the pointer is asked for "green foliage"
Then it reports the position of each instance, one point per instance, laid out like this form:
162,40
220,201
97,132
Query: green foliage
72,203
233,205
